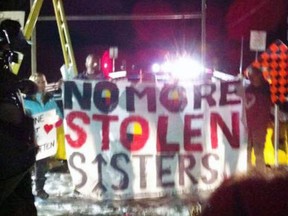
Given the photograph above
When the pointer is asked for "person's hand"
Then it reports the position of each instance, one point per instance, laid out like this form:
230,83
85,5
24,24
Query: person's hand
58,84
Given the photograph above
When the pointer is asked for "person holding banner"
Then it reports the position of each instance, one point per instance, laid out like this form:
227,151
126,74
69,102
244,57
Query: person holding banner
258,113
40,102
93,69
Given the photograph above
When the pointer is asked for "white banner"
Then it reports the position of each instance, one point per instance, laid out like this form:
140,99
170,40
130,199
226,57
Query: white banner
45,132
127,140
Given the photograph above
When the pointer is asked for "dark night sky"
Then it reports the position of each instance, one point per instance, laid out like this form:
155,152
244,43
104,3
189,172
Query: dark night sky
145,41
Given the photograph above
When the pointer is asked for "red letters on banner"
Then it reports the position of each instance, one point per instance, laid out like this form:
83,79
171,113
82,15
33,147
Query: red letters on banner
163,121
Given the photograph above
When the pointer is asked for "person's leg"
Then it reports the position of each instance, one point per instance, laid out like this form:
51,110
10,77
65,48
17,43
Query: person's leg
21,201
8,186
41,168
249,151
24,191
259,138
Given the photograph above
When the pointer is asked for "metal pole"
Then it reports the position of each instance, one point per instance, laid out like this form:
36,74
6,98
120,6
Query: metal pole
113,66
33,48
126,17
256,55
241,56
203,33
276,133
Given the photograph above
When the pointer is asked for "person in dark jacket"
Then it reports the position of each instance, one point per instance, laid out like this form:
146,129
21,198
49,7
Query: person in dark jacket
93,69
17,146
258,114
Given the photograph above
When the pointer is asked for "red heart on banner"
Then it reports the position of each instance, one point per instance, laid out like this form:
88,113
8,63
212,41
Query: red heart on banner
48,128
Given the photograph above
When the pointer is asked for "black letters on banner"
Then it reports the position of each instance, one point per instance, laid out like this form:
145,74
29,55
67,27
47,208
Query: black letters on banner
199,94
188,169
143,180
100,185
81,172
162,172
84,100
226,89
203,91
151,98
114,163
214,173
186,165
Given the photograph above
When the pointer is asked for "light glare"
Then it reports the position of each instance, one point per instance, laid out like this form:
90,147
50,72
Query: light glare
156,68
180,68
185,68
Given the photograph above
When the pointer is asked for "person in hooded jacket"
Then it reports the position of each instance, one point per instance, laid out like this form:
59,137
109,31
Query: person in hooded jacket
37,103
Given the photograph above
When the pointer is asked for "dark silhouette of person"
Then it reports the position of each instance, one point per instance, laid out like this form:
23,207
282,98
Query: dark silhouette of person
249,194
258,114
17,149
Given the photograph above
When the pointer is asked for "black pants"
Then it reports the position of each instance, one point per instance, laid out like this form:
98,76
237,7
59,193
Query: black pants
20,202
41,168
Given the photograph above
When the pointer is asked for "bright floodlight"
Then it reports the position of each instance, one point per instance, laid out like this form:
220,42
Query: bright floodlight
186,68
180,68
156,68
